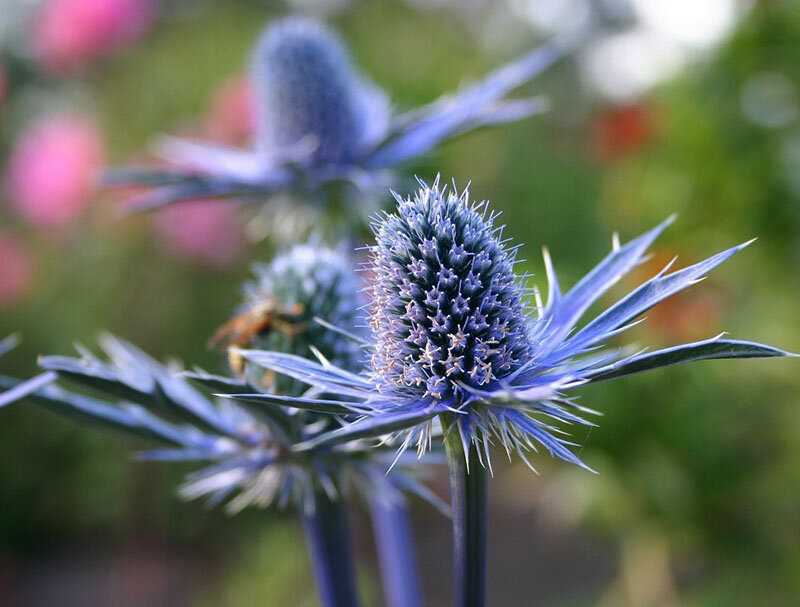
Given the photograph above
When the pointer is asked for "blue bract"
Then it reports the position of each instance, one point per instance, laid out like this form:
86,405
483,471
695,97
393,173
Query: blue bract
16,389
451,337
319,121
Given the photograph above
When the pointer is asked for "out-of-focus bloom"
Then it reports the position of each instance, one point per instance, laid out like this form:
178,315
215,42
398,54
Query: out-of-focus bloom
307,282
16,270
320,121
622,130
451,337
249,432
69,33
247,428
201,230
231,117
52,170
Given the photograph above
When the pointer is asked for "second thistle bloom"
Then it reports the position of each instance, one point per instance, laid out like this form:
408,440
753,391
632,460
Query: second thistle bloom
321,122
307,86
282,305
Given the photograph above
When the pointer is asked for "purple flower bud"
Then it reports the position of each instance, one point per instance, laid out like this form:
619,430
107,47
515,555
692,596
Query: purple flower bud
474,330
309,92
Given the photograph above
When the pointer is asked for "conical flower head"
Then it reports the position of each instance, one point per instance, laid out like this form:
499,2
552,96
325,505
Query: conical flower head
447,310
307,282
309,93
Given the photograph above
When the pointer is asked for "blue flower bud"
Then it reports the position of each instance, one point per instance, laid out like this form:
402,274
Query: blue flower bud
447,309
306,282
309,92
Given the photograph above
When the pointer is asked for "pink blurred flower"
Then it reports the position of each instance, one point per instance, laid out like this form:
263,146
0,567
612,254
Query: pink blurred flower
230,118
16,270
69,33
52,169
206,230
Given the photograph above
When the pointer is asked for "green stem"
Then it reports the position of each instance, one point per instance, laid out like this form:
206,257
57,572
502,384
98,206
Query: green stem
468,490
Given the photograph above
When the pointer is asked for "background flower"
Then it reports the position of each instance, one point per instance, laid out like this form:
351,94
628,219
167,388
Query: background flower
231,117
52,170
202,231
70,33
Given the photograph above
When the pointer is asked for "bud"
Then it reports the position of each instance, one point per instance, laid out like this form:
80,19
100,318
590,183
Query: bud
306,282
309,92
447,309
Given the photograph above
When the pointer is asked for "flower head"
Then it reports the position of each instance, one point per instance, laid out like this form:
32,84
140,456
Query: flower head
320,122
451,337
308,90
52,169
69,33
282,307
447,310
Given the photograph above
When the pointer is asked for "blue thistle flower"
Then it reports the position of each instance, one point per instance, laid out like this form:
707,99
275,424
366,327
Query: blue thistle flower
321,122
307,87
451,338
284,304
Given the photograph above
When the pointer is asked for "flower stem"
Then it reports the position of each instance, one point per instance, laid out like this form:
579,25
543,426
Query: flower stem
395,545
468,502
328,541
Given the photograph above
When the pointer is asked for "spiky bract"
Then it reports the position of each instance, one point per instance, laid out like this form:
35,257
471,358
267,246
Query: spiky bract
248,436
15,389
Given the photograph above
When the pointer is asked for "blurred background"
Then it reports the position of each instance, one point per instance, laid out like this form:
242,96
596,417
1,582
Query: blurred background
681,106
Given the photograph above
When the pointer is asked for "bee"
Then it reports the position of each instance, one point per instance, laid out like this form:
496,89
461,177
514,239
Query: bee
259,319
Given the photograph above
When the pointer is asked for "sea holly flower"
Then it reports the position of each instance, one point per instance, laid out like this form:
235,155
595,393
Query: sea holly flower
451,341
283,306
319,121
249,444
